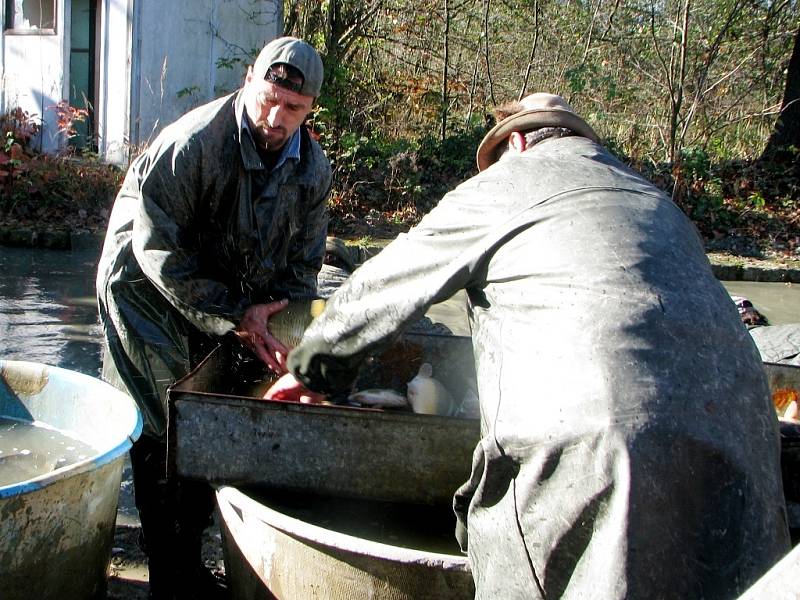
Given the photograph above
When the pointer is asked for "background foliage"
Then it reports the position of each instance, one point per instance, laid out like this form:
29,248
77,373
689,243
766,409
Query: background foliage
58,191
686,90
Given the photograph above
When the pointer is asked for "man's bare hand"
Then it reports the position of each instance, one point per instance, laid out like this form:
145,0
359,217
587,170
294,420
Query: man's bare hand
253,333
288,388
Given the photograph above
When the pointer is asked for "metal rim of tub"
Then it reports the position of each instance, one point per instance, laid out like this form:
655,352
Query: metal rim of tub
331,538
104,456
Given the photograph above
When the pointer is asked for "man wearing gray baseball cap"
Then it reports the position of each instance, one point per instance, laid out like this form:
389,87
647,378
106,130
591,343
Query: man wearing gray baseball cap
217,225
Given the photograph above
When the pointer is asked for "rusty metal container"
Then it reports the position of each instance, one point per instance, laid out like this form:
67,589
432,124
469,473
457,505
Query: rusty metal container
782,377
784,381
340,451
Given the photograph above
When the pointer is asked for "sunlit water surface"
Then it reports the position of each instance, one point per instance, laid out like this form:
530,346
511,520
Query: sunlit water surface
48,312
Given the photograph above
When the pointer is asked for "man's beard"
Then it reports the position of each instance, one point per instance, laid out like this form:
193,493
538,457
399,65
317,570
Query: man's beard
270,141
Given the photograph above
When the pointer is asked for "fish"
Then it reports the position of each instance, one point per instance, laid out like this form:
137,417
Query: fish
427,395
383,398
288,325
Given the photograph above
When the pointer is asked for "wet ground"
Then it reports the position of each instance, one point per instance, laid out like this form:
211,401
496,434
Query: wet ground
48,314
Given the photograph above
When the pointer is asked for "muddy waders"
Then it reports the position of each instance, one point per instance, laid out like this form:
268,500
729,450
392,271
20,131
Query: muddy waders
174,513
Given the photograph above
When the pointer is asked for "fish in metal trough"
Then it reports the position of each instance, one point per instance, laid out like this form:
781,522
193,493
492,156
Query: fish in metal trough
382,398
427,395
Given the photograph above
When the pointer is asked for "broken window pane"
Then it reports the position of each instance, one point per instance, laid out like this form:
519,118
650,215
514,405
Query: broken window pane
31,14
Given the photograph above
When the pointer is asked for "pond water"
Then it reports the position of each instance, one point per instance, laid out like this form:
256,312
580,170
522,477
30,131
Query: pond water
778,302
48,312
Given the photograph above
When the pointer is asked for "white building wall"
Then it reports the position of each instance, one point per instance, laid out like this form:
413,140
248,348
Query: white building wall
157,60
177,54
33,72
114,89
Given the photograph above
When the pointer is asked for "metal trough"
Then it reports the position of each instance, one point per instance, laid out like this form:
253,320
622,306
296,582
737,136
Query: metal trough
263,448
56,528
340,451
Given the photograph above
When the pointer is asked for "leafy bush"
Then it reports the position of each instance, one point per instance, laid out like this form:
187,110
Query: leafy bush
61,191
391,181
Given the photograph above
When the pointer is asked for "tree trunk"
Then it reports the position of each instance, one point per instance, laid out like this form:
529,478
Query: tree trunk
532,56
332,33
445,99
787,127
486,51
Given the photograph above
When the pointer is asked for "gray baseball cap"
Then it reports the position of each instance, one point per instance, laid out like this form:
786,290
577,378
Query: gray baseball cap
297,53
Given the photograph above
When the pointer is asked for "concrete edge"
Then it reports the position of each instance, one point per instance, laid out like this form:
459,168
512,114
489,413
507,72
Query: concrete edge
761,273
56,239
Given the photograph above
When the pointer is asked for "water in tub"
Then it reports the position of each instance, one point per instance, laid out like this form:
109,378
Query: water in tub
31,449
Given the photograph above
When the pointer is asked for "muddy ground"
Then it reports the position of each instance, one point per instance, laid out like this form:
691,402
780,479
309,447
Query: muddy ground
128,578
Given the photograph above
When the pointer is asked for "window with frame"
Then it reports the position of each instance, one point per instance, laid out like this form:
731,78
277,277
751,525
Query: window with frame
30,16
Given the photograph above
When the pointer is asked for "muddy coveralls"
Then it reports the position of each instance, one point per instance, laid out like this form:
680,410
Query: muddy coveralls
629,448
199,231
